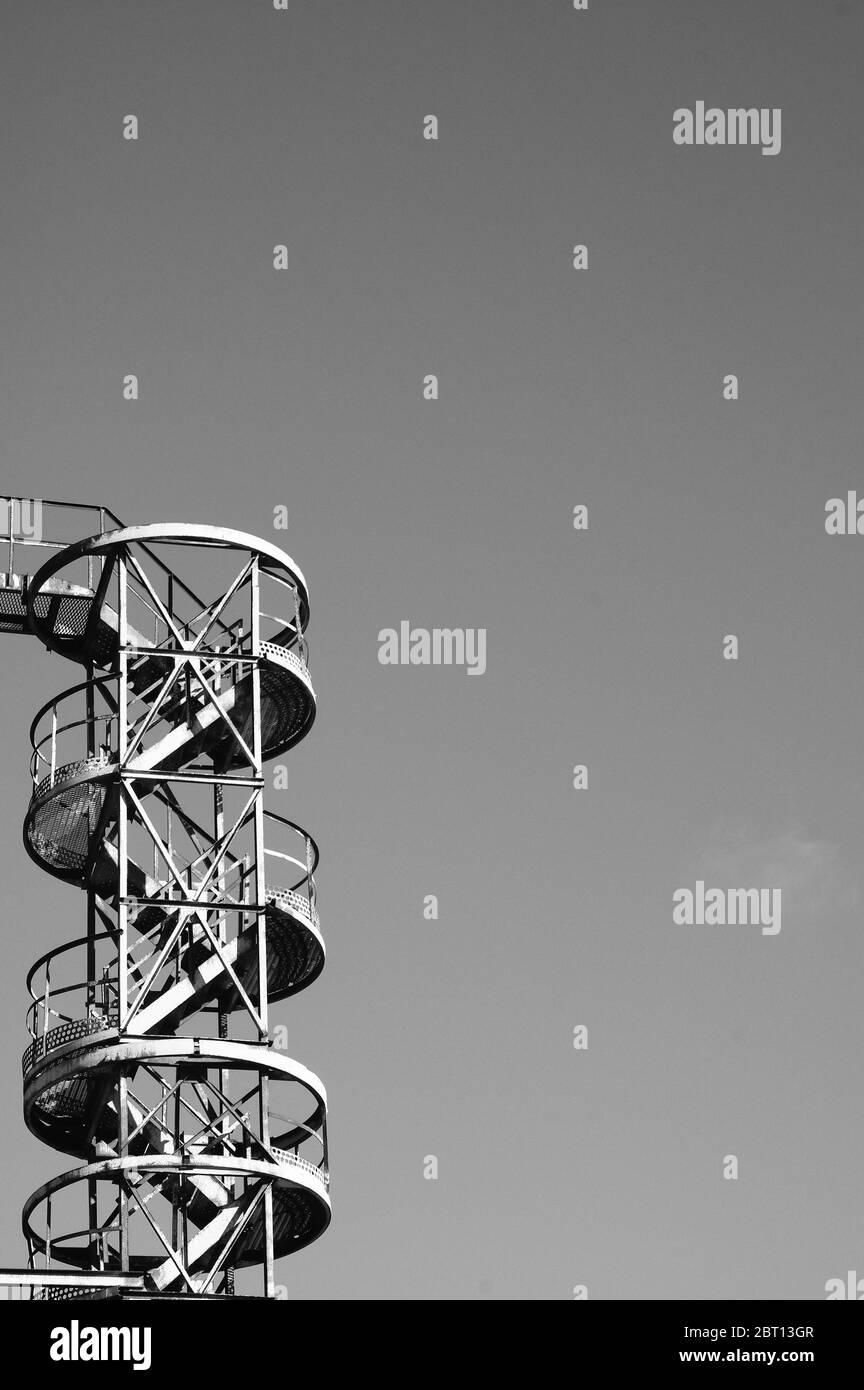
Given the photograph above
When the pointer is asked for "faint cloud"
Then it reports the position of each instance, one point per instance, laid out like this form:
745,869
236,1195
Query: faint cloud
809,871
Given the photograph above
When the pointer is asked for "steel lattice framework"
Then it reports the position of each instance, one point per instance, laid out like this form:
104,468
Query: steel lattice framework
202,1148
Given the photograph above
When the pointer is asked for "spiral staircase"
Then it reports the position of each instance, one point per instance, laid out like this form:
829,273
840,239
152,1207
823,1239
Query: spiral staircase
201,1149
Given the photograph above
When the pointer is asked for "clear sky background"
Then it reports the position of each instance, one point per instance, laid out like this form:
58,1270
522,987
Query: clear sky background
603,387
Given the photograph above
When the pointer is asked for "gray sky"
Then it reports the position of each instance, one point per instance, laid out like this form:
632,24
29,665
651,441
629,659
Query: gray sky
557,387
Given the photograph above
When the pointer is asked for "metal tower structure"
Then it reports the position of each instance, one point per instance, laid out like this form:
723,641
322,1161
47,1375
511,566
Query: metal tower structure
200,1148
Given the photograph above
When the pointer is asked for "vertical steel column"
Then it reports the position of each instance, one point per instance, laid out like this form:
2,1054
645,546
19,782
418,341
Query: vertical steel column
90,988
122,903
222,1012
260,899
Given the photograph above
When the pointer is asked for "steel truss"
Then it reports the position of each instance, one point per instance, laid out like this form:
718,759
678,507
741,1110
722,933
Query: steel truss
202,1149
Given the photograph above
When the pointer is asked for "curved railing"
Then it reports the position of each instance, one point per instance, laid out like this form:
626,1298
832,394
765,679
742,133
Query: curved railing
64,1009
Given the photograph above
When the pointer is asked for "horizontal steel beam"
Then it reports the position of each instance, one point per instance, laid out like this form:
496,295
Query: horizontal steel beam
54,1278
